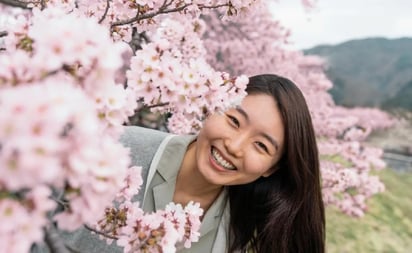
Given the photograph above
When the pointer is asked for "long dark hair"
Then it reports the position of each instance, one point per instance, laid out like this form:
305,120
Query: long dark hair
284,212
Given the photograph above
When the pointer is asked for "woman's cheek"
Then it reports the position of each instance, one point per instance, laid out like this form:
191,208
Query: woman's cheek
258,164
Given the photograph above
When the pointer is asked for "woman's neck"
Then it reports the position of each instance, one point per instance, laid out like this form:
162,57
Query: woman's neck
191,185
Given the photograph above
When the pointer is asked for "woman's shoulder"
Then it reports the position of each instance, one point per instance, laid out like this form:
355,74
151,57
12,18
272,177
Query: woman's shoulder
142,142
141,135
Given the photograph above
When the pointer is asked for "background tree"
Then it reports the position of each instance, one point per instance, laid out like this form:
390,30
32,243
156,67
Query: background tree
257,45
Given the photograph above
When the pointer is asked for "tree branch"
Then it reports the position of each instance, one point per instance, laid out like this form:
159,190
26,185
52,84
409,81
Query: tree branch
138,17
213,6
3,34
162,10
105,11
16,3
100,232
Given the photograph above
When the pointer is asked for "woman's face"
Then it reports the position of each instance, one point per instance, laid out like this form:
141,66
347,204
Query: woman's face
242,144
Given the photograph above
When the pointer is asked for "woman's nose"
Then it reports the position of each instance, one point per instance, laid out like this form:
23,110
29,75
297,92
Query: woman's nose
235,144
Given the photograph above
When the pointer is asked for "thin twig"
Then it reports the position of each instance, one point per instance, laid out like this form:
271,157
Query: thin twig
16,3
162,10
166,4
105,11
100,232
3,33
213,6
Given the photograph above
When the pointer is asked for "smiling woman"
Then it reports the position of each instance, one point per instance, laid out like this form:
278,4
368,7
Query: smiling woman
281,211
255,167
254,170
242,144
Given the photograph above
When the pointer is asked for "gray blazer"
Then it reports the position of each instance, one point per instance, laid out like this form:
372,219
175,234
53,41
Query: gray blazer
144,147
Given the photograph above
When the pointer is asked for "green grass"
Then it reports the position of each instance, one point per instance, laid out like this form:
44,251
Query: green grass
386,227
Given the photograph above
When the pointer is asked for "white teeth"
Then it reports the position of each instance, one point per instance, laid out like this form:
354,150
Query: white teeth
221,161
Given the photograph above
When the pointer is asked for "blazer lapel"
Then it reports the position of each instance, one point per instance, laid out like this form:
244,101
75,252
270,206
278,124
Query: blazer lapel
163,194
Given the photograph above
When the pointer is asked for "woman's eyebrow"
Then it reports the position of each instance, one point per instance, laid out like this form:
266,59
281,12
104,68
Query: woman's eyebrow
271,140
266,136
241,111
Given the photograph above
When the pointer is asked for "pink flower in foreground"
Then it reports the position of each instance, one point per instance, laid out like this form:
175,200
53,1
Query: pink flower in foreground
161,231
23,221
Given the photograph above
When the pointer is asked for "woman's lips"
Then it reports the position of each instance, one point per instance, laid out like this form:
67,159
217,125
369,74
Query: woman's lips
219,160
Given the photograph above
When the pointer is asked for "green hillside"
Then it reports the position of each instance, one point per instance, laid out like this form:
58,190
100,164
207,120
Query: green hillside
369,72
402,97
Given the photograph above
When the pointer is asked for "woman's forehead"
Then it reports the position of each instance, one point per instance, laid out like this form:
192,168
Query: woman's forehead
262,113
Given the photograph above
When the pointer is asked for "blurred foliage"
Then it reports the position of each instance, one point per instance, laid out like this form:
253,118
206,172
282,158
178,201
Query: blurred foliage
386,227
336,159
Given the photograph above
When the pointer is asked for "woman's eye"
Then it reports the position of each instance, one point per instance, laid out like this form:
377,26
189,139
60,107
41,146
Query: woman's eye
234,120
262,146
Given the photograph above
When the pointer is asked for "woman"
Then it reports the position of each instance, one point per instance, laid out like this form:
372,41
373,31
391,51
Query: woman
254,169
285,209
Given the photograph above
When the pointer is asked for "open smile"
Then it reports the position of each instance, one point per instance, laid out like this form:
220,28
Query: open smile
222,162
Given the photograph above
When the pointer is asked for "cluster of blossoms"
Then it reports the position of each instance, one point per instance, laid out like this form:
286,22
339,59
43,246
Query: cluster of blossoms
257,46
181,83
346,181
61,111
123,16
347,188
23,218
160,231
88,58
50,139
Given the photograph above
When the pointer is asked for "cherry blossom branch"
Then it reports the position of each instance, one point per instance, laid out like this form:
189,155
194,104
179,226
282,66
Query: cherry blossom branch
105,11
100,232
162,10
214,6
149,15
143,242
3,33
16,3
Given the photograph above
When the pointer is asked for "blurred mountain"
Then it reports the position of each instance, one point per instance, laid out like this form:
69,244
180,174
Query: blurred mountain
373,72
403,98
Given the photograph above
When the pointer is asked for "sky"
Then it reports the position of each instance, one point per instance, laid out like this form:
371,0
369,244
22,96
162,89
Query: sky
336,21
